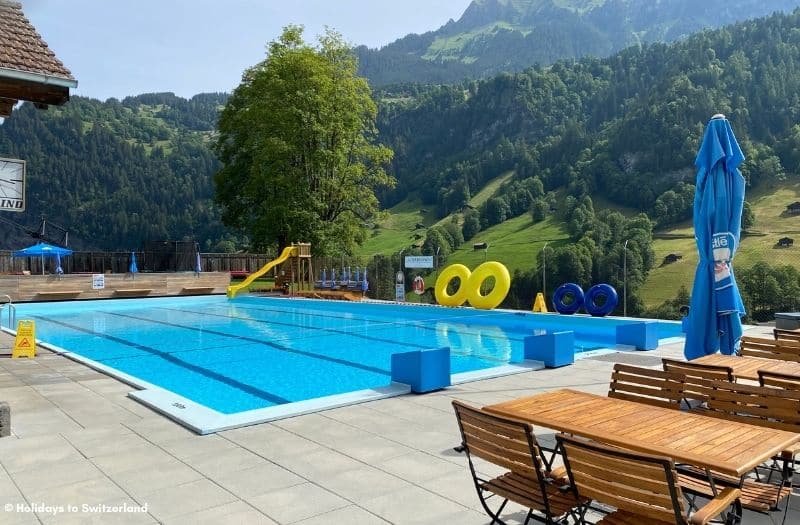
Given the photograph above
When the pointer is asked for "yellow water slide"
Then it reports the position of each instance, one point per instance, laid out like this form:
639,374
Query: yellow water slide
289,251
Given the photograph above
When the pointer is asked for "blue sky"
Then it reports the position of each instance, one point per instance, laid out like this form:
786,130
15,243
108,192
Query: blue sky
117,48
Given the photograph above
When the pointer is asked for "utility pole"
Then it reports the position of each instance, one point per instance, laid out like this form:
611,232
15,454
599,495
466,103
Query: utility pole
544,271
625,279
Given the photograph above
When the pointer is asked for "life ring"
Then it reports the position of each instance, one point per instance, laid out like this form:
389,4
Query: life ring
447,275
564,291
597,291
418,285
502,284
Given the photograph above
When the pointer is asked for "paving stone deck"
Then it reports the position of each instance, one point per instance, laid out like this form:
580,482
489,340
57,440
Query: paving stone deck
77,439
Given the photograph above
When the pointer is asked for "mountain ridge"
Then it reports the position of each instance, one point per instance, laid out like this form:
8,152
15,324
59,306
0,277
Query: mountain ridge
494,36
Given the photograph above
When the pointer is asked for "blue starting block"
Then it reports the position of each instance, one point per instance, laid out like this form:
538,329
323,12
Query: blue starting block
555,349
643,335
424,370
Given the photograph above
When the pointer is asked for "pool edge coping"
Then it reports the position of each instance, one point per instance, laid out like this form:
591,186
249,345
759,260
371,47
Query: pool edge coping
204,420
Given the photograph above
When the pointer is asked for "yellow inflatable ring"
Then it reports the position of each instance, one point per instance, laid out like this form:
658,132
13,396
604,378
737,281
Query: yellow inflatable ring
502,284
447,275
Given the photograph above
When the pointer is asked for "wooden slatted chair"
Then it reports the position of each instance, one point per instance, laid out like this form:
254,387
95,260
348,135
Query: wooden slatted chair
512,445
761,406
780,349
643,488
646,385
786,335
693,390
778,380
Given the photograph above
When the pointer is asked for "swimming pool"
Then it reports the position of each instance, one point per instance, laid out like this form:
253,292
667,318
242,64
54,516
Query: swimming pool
223,358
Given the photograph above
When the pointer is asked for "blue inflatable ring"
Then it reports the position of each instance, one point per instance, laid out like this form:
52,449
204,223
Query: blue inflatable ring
564,291
597,291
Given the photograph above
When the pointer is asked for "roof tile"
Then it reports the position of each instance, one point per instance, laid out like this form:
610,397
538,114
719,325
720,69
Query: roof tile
22,48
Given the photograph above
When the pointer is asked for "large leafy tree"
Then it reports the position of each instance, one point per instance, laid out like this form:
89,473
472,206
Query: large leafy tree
297,143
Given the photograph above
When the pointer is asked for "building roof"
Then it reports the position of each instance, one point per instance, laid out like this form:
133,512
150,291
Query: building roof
22,48
29,70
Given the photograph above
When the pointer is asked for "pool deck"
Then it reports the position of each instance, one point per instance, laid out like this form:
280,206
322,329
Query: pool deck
79,440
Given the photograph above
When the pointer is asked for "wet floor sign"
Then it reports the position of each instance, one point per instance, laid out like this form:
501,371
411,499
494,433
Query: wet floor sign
25,342
539,305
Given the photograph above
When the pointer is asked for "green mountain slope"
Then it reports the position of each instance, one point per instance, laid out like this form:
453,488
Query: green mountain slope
510,35
117,173
772,223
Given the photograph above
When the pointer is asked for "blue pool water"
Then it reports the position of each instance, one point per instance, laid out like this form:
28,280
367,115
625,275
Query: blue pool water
256,352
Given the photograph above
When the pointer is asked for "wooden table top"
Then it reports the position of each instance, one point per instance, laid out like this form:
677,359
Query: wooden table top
747,367
724,446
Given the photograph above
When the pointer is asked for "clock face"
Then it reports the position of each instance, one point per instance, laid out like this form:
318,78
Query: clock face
12,185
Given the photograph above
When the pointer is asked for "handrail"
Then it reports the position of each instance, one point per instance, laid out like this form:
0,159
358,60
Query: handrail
12,310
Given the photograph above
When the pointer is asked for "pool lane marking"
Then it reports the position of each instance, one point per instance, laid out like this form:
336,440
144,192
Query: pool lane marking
259,341
319,329
386,324
457,352
244,387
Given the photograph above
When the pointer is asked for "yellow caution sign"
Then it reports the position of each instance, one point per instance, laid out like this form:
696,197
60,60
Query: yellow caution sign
539,305
25,342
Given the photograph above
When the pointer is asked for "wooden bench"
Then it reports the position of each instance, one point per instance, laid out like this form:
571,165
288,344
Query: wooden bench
133,292
780,349
196,290
645,385
60,294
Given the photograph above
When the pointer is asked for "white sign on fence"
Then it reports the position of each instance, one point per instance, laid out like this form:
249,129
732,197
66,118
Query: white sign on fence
98,281
419,261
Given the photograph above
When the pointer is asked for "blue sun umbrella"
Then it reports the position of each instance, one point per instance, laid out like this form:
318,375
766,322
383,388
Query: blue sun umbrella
59,269
714,322
133,269
197,266
42,250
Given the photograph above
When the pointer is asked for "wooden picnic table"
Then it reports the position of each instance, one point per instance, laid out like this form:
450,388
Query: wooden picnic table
727,447
745,367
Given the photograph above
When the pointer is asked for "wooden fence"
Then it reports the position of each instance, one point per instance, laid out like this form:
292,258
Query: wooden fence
119,262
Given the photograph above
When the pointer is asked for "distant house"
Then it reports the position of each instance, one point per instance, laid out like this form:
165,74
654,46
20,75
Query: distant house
793,208
672,257
419,225
480,246
785,242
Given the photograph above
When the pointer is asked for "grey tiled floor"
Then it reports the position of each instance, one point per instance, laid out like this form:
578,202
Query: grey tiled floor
78,439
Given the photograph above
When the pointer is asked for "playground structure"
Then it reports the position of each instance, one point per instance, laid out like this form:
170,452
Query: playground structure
295,270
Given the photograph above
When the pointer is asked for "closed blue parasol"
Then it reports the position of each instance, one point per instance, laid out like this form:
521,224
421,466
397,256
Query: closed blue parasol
42,250
714,316
133,268
197,266
59,269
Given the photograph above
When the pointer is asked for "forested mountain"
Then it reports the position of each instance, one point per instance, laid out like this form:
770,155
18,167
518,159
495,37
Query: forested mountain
626,127
117,173
509,35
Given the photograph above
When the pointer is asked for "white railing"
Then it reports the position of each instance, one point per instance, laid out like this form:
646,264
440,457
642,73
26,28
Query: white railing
12,310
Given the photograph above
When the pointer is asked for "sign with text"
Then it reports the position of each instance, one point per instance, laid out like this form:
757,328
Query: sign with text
98,281
419,261
12,185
